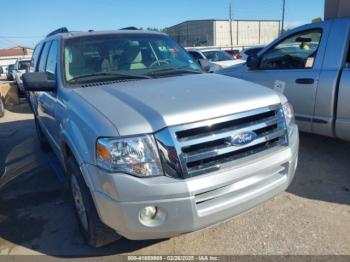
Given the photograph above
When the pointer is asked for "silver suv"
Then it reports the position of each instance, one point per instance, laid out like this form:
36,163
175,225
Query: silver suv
152,146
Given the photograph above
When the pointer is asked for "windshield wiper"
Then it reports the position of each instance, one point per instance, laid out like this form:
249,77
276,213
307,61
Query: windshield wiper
100,76
171,70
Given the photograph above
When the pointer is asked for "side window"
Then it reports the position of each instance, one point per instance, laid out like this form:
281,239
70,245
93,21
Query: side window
196,56
43,57
52,60
295,52
35,57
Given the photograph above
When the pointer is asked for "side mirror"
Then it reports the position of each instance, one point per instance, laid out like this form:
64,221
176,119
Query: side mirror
38,81
253,62
205,65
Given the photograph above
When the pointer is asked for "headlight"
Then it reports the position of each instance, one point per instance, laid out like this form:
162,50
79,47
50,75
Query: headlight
133,155
289,113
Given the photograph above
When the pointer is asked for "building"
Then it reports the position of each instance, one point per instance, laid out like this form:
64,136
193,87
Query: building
336,8
218,32
10,55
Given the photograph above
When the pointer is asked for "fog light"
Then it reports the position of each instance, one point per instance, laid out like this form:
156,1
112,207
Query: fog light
152,216
148,213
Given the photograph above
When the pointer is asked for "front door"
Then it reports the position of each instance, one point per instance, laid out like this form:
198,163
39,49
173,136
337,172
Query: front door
292,67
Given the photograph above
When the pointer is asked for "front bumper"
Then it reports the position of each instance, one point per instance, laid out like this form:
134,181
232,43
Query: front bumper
194,203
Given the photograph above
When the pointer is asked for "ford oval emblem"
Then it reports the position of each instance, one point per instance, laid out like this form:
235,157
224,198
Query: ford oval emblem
243,138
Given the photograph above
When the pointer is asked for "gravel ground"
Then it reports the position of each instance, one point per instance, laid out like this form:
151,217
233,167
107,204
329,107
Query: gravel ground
312,218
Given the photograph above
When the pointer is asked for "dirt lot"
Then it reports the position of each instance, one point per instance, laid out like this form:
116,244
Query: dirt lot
36,215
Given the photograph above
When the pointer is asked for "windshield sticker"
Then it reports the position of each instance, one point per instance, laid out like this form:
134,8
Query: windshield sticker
310,62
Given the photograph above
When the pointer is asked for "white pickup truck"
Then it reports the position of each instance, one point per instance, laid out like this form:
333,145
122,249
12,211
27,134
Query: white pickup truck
311,66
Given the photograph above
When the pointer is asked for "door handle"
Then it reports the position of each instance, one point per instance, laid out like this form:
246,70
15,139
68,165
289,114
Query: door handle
305,81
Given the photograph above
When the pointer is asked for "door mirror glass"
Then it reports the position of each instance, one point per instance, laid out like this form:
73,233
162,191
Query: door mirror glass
38,81
253,62
205,65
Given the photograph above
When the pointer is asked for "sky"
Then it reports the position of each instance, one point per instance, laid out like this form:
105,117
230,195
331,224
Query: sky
27,22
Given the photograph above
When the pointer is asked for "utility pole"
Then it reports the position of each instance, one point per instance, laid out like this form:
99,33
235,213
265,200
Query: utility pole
283,12
230,20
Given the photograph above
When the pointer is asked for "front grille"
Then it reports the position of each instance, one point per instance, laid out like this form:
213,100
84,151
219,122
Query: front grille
206,146
209,201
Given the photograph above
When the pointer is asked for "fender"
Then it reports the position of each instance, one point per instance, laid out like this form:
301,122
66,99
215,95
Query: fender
72,137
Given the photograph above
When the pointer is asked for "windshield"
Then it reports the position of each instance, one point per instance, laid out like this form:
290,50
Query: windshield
216,56
124,56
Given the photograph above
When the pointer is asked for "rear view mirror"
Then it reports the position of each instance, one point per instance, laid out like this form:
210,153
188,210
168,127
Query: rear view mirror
38,81
303,39
253,62
205,65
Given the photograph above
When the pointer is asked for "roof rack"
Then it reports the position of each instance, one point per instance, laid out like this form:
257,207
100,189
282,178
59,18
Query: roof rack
129,28
58,31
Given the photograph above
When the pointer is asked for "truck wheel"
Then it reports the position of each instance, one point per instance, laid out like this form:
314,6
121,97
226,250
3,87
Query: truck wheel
94,231
2,107
44,144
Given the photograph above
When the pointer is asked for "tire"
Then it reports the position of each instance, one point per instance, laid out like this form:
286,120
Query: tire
2,107
44,144
93,230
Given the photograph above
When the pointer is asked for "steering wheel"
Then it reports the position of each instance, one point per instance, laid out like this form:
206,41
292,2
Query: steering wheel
160,62
286,61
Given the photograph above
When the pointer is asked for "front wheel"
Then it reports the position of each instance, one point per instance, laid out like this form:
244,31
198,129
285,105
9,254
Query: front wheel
94,231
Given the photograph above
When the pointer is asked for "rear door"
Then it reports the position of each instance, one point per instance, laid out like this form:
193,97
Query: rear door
47,101
342,123
342,116
292,66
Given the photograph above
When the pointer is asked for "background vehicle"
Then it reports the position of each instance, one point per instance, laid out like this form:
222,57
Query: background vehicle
152,146
310,65
218,59
2,107
9,75
235,53
243,55
21,66
2,73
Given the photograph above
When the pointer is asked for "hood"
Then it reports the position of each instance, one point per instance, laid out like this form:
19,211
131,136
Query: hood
145,106
228,63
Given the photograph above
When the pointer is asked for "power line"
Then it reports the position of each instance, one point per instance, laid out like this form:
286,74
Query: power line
10,42
13,37
4,39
